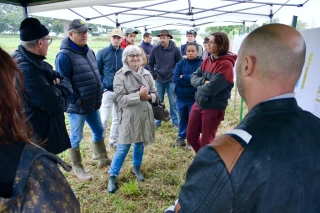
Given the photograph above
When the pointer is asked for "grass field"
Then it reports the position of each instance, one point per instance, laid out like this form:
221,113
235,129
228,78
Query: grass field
164,167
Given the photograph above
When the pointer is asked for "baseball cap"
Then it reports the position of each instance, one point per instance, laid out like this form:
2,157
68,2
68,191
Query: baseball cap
78,25
130,30
192,32
116,32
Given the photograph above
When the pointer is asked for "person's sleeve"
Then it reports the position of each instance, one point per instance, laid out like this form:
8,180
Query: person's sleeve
152,62
220,80
63,66
40,93
196,78
121,95
207,187
176,74
178,56
64,85
100,65
53,190
200,51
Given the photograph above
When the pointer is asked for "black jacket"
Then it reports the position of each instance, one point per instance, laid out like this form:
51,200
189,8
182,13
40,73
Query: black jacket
268,164
79,65
43,102
163,61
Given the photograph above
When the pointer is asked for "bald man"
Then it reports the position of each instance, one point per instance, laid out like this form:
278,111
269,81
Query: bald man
271,161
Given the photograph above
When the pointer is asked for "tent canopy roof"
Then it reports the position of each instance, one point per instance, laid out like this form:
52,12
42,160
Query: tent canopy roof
160,13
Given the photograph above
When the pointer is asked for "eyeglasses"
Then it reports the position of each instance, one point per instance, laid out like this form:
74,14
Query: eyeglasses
82,33
48,39
132,56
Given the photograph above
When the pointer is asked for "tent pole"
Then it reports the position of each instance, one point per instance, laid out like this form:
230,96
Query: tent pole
117,22
25,11
271,14
294,21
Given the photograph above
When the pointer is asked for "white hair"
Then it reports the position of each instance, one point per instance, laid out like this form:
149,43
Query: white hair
127,52
29,44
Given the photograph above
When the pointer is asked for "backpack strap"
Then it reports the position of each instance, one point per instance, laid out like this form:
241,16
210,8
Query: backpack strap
230,146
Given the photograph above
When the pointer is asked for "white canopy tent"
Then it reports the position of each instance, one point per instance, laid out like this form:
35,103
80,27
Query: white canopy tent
168,14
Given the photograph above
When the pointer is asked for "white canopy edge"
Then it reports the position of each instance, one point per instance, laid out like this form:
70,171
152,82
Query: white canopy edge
75,4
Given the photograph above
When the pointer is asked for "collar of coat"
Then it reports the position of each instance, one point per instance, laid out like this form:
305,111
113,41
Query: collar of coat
125,69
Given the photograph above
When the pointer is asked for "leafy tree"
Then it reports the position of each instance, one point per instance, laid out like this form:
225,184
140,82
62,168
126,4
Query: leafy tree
10,19
301,25
274,20
253,27
230,30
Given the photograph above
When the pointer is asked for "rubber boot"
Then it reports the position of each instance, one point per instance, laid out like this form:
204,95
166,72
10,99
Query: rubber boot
112,184
77,166
100,152
137,172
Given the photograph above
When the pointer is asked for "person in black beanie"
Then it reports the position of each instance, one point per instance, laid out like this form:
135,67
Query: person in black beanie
46,92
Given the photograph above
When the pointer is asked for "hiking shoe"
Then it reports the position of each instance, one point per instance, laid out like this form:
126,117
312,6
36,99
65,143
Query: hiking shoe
180,142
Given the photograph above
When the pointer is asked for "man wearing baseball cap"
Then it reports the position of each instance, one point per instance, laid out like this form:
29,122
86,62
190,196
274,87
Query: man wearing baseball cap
129,37
191,37
46,92
109,61
77,62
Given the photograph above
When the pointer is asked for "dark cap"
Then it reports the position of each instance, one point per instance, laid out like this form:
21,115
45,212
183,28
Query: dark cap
165,32
78,25
130,30
32,29
191,32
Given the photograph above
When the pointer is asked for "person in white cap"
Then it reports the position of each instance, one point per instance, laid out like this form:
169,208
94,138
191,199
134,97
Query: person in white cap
109,61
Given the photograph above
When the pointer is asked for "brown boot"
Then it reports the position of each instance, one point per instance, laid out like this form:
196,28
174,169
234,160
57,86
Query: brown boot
100,152
77,166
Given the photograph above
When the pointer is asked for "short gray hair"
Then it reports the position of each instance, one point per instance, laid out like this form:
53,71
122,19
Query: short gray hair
127,52
29,44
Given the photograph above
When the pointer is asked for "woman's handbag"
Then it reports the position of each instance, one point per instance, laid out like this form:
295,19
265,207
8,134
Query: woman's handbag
159,110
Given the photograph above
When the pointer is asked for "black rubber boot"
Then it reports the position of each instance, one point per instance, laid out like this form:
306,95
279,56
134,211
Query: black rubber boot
112,184
137,172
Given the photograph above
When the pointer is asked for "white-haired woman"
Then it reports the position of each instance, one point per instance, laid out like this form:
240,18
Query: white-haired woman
134,89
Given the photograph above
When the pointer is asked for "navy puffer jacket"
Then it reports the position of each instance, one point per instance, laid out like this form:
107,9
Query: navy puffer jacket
80,66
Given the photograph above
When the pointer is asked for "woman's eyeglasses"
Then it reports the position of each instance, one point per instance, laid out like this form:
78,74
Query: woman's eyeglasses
132,56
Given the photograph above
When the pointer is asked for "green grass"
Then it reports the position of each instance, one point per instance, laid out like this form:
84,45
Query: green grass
164,168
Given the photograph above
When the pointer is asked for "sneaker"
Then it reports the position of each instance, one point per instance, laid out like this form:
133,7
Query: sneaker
180,142
113,145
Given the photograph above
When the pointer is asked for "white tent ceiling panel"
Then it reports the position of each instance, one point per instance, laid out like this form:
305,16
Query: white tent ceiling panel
136,13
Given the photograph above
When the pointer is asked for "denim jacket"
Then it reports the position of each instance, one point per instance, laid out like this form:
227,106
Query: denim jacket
272,167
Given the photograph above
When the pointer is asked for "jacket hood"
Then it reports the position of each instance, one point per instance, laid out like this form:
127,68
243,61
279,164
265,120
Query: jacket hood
229,56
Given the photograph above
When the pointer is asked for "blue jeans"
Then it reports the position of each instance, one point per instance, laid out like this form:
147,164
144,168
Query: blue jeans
76,122
170,87
184,108
121,153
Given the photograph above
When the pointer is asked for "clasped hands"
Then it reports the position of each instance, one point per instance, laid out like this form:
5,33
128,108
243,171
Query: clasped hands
144,94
